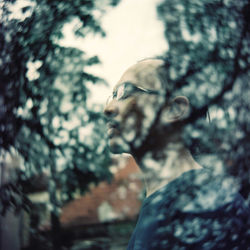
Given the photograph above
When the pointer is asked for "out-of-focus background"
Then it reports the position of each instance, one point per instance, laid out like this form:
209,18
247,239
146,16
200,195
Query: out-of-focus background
130,37
60,186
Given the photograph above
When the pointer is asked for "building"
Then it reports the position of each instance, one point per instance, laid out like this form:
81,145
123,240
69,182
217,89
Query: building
106,215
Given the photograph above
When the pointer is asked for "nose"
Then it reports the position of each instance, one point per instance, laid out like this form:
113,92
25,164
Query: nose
111,109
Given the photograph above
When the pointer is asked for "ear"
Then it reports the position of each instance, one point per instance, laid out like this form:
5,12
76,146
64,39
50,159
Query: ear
177,109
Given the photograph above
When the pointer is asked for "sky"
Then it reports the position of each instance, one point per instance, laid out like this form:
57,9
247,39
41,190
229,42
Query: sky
133,33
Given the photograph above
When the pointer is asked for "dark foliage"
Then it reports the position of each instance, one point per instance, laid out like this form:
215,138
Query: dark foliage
44,88
208,60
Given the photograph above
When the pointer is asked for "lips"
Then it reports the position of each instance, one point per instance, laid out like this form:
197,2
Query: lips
113,129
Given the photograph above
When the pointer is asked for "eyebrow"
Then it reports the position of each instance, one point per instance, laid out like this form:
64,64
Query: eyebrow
123,83
150,91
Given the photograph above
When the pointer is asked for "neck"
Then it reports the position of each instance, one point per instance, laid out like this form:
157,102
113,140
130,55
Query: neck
160,168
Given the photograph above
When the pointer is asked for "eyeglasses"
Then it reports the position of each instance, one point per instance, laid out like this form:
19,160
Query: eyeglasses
127,89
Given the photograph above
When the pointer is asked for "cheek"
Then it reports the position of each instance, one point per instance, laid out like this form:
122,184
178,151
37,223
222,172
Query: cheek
132,120
148,107
132,114
137,117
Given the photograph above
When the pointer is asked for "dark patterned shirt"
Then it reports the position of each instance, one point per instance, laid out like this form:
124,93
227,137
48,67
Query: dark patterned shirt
195,211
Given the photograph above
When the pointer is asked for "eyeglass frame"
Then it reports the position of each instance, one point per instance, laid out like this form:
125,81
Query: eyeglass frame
114,95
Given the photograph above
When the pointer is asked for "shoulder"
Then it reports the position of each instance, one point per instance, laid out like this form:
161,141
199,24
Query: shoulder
195,211
197,191
200,209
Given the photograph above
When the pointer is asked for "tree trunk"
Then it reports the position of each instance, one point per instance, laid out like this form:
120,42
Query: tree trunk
54,215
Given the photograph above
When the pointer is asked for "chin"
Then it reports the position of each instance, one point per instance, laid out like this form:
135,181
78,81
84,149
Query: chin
118,146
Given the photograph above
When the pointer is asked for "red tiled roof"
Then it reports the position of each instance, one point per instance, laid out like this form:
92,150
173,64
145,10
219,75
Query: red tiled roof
121,196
